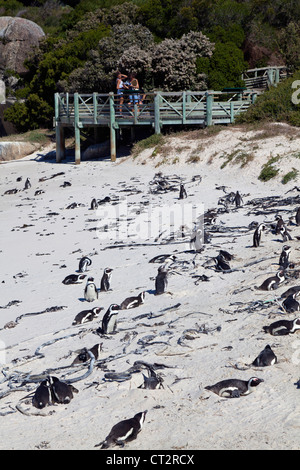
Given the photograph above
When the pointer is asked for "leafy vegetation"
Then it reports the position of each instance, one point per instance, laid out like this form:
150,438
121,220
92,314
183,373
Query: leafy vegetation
171,44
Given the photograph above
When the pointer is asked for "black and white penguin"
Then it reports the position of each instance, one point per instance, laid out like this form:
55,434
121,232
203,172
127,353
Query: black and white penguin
238,200
161,280
221,263
132,302
87,315
285,234
84,263
124,431
297,216
290,291
257,235
162,258
43,395
152,382
272,282
182,192
226,255
265,358
290,304
74,279
84,356
90,290
283,327
105,280
197,239
27,184
109,320
94,204
234,388
279,224
62,392
284,257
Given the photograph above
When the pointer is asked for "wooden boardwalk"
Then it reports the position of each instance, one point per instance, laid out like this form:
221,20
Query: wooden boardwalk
264,77
159,109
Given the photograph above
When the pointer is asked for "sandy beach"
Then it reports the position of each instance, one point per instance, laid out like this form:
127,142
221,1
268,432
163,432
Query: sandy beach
206,327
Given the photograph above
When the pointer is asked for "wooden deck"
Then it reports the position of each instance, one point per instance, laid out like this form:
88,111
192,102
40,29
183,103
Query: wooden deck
159,109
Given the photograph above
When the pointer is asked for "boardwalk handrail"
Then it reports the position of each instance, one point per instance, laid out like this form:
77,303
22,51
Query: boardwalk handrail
156,109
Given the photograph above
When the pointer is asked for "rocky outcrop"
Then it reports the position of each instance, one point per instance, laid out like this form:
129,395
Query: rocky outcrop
16,150
18,37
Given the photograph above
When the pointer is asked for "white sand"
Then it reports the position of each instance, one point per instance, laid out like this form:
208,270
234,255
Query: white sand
37,256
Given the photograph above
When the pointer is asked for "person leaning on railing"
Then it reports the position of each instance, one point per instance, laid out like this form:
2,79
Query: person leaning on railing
120,88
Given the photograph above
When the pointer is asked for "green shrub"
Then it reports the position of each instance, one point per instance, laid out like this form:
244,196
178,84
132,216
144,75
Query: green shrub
291,175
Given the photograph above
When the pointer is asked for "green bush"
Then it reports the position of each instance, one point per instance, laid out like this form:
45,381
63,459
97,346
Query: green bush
31,114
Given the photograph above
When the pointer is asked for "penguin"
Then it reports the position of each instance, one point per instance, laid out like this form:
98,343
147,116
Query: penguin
221,264
291,290
285,234
90,290
152,382
83,355
297,216
279,224
62,392
234,388
257,235
27,184
84,263
182,192
227,256
43,395
133,302
197,240
105,281
104,200
124,431
283,327
238,200
265,358
284,257
109,320
161,280
74,279
290,303
87,315
162,258
94,204
272,282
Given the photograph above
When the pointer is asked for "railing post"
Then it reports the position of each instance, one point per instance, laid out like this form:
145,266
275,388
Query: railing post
231,112
59,132
95,110
209,106
112,127
77,129
157,126
183,107
253,98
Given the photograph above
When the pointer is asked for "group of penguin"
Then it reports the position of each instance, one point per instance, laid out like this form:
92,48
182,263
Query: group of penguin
52,390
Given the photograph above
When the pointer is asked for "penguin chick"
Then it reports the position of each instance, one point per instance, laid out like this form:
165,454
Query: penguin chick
283,327
86,315
265,358
234,388
105,281
124,431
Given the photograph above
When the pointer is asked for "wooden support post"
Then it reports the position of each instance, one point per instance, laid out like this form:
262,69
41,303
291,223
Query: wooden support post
209,106
59,131
183,107
77,129
253,98
112,127
157,126
231,112
95,107
277,76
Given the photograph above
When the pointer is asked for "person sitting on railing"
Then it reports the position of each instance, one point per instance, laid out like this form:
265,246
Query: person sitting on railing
120,88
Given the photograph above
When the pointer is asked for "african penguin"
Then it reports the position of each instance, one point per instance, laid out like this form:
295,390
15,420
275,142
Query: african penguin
265,358
94,204
43,395
238,200
124,431
196,240
257,235
290,303
105,280
284,257
182,192
285,234
87,315
227,256
153,382
234,388
27,184
84,263
291,290
132,302
283,327
221,264
279,224
74,279
161,280
297,216
84,356
90,290
272,282
62,392
109,320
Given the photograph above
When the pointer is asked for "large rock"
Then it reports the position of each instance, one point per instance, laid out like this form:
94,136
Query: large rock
16,150
18,37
